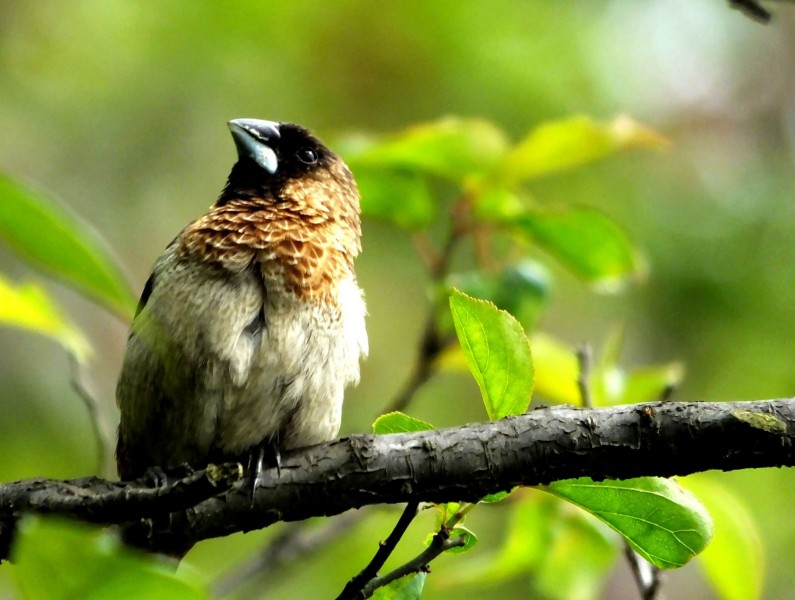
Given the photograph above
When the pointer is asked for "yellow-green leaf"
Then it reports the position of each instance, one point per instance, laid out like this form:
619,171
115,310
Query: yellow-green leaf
59,560
398,422
497,352
402,198
54,240
406,588
556,369
28,306
569,143
587,242
734,561
452,148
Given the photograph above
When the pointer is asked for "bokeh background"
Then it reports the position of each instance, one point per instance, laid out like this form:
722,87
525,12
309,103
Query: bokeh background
119,109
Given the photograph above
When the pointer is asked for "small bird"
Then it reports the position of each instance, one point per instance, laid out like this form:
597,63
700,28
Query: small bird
252,323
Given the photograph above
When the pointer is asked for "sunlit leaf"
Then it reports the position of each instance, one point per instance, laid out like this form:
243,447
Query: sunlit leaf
398,422
495,497
572,142
452,148
528,534
498,354
495,203
469,536
556,370
584,240
397,197
28,306
577,561
613,384
546,541
406,588
662,522
58,560
51,238
734,561
646,384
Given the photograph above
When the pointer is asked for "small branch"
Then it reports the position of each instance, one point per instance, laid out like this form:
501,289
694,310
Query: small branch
92,408
752,9
647,576
441,542
584,375
100,501
354,588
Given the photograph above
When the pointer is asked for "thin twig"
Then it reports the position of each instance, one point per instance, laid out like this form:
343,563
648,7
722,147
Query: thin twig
440,543
646,575
354,588
92,408
584,375
752,9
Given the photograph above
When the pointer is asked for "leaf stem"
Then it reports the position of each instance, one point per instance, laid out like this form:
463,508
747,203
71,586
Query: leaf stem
440,543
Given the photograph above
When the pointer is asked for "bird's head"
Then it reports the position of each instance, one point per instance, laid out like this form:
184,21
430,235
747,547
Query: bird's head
283,162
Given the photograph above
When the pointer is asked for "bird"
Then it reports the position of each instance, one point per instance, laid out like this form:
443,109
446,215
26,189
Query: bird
252,323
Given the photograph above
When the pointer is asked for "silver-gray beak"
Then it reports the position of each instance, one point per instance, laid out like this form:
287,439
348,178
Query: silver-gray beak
256,139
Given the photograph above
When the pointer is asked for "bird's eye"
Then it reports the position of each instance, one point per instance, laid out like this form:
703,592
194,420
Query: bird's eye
307,155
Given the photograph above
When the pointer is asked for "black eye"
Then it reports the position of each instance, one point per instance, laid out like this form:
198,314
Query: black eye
307,155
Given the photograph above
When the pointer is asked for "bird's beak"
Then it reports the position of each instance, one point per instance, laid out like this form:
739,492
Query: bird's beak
256,139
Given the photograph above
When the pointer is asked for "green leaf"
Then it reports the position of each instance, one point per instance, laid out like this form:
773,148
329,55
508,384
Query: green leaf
577,561
494,203
498,354
28,306
398,422
662,522
495,497
51,238
612,384
451,148
528,538
566,552
584,240
569,143
60,560
406,588
734,561
644,384
470,539
556,369
402,198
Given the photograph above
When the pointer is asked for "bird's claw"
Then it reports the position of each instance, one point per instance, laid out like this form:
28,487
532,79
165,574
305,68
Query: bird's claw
257,462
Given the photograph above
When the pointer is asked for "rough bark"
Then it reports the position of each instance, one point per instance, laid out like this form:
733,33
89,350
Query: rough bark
459,464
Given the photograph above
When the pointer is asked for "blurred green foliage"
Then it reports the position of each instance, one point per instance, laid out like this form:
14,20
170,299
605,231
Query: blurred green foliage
119,109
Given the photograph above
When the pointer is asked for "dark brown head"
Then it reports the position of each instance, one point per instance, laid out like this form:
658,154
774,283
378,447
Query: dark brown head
283,162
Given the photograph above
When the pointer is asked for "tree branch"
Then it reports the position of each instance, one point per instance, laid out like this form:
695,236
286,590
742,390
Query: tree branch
461,464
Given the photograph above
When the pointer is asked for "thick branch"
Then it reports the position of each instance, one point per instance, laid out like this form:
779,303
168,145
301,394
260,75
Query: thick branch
461,464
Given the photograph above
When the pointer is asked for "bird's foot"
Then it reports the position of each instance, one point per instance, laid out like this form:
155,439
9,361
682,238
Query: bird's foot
266,452
156,477
159,477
